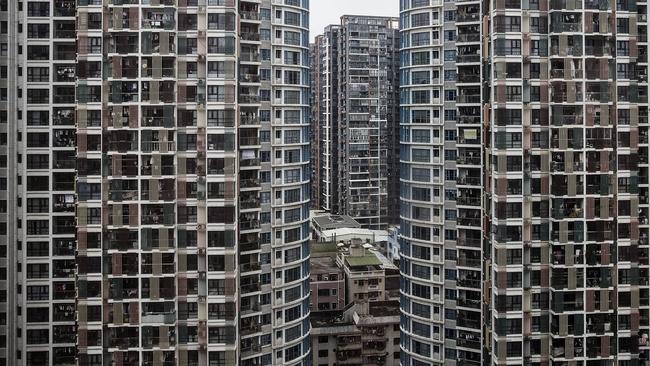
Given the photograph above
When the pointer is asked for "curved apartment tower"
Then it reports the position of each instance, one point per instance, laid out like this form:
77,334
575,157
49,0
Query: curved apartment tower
421,184
441,182
285,189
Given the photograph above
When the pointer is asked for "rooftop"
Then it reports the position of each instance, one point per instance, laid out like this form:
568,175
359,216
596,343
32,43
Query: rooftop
364,261
323,264
347,233
329,318
384,308
323,248
330,222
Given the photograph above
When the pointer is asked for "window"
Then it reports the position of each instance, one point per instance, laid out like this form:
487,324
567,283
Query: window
513,93
292,215
38,74
420,77
420,20
421,233
291,18
224,118
292,77
505,47
292,38
420,58
513,349
38,227
450,35
450,55
421,194
420,155
420,39
507,24
420,271
420,136
292,156
292,196
421,116
223,45
623,48
38,336
37,205
421,291
292,176
221,21
421,310
292,137
419,3
421,97
421,329
291,58
38,270
420,174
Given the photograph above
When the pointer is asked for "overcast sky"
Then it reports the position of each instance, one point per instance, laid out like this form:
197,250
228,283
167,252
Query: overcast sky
326,12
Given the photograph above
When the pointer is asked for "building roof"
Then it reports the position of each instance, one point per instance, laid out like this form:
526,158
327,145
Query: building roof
329,222
385,262
324,264
366,260
384,308
323,248
347,233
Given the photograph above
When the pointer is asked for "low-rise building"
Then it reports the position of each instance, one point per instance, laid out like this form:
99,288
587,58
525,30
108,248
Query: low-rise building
322,221
327,279
369,275
393,244
365,333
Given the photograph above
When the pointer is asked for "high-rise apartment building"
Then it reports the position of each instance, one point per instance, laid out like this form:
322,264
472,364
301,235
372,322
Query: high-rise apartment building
441,182
524,125
156,169
570,106
325,112
43,146
357,67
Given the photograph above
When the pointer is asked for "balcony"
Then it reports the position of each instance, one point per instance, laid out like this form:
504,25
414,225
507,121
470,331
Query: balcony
250,57
158,146
64,8
469,283
249,15
249,247
159,318
468,201
251,203
249,99
250,36
466,38
165,341
156,19
249,78
64,290
468,181
124,342
250,267
250,288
